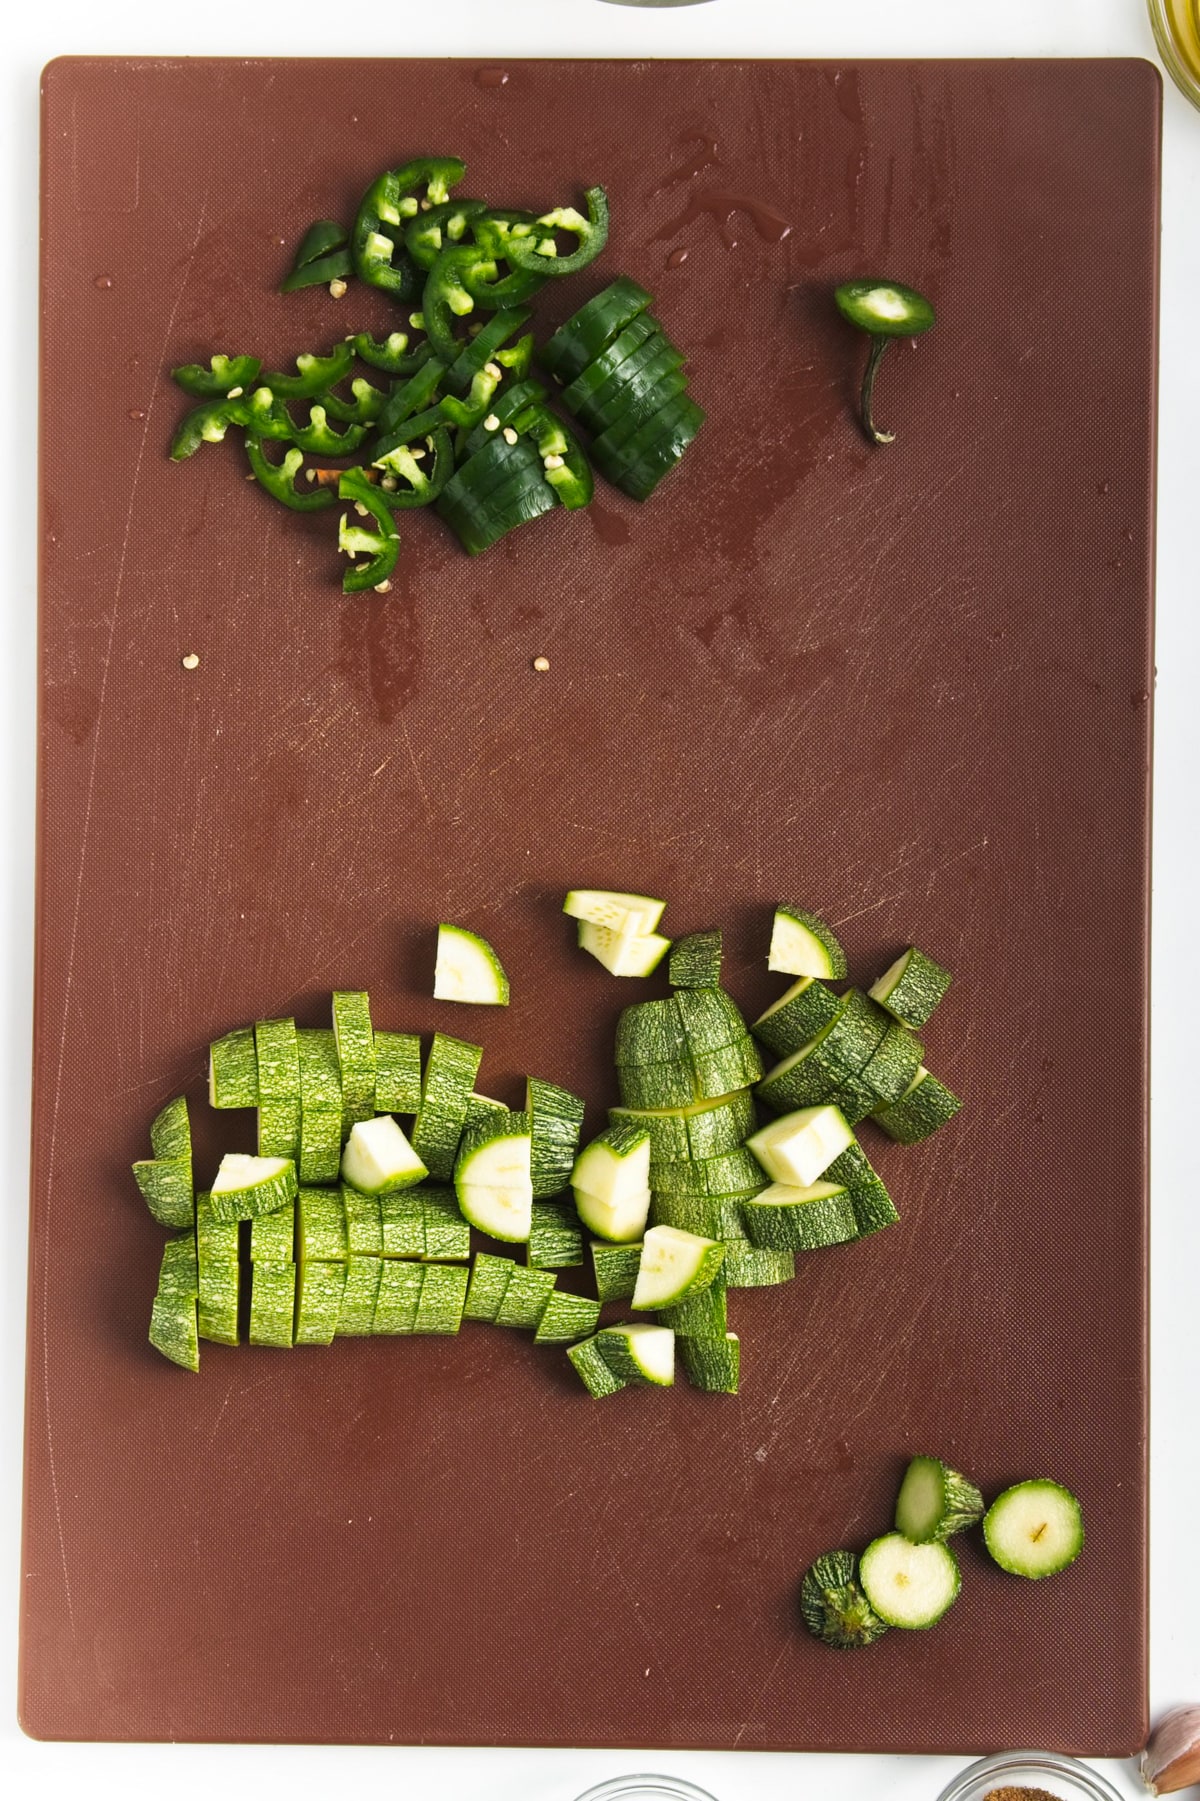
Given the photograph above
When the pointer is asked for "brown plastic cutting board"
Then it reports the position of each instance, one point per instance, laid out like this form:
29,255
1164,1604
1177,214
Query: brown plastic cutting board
908,687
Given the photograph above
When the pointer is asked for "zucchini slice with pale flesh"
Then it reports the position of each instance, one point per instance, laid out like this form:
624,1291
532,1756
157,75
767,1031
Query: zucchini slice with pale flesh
468,969
1034,1529
909,1585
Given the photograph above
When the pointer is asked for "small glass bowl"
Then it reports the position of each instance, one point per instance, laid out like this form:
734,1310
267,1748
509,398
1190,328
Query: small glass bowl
646,1788
1176,27
1063,1776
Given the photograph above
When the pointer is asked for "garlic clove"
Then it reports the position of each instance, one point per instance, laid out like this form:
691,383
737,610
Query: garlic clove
1171,1759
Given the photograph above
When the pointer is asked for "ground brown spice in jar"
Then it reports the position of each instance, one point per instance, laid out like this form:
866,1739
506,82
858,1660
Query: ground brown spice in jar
1019,1794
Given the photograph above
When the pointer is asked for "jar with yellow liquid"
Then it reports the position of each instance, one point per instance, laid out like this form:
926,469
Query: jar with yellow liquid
1177,28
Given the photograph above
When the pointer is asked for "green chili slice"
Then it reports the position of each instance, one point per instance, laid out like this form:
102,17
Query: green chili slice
884,310
387,207
279,479
315,374
381,548
539,253
222,374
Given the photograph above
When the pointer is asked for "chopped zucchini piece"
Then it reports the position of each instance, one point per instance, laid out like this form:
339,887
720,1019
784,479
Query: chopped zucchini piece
657,1086
748,1267
785,1218
798,1148
555,1120
890,1070
398,1298
676,1266
796,1016
378,1158
319,1291
272,1305
1034,1529
525,1296
173,1318
397,1072
356,1055
402,1223
447,1234
611,1183
616,1267
555,1237
803,945
246,1186
278,1055
635,956
233,1070
909,1585
709,1215
450,1071
712,1364
912,988
734,1065
359,1296
703,1315
650,1032
492,1175
736,1172
320,1106
321,1221
593,1369
833,1604
468,969
503,1213
489,1279
711,1021
443,1295
218,1275
566,1318
364,1222
640,1353
625,915
924,1109
166,1187
707,1128
695,961
873,1206
935,1502
273,1236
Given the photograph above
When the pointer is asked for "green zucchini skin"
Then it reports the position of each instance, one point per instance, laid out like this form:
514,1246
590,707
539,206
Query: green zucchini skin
555,1237
746,1266
278,1053
833,1605
320,1106
397,1072
320,1288
357,1313
912,988
355,1041
174,1327
820,942
555,1119
397,1299
923,1110
165,1184
447,1234
695,961
489,1279
704,1315
233,1069
567,1318
443,1297
321,1226
218,1273
272,1305
450,1071
712,1364
526,1295
777,1223
616,1268
892,1068
797,1016
935,1502
402,1223
593,1370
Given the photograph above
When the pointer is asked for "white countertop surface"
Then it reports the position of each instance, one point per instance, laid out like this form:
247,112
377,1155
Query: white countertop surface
719,28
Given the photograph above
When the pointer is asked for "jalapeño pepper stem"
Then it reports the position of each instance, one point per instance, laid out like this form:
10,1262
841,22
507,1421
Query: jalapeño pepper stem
883,309
878,346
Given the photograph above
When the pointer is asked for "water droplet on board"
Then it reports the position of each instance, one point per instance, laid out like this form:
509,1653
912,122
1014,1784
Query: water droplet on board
491,78
102,281
136,413
677,259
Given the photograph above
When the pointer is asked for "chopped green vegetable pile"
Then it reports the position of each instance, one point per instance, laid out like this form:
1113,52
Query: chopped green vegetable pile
460,423
345,1224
